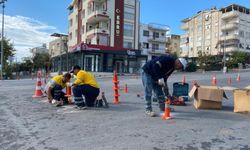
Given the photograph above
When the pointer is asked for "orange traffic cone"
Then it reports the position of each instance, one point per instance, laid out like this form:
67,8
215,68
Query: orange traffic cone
125,88
214,81
229,81
183,79
38,91
116,88
68,91
166,115
238,77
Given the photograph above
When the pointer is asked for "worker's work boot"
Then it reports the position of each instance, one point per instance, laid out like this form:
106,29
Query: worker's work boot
150,113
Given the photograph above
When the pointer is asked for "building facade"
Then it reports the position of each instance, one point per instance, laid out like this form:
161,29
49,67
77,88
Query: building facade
153,39
173,45
235,28
214,32
39,50
59,45
112,23
104,35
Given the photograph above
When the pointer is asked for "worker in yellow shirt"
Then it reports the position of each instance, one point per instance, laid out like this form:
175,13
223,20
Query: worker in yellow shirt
54,88
84,85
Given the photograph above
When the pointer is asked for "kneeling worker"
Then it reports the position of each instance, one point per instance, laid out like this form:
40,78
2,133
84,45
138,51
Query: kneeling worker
54,88
85,84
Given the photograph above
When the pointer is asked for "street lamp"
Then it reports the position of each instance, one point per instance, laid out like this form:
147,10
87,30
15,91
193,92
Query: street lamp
2,35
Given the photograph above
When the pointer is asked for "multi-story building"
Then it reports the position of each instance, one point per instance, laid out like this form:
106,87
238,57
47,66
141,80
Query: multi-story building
39,50
235,28
216,31
59,45
202,33
173,44
58,50
104,34
153,39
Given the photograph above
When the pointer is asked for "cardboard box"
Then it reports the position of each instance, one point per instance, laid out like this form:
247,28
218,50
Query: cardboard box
207,97
242,101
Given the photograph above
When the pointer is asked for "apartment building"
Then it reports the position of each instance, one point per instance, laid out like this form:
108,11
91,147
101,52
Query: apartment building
59,45
173,44
153,39
104,34
202,33
216,31
39,50
235,28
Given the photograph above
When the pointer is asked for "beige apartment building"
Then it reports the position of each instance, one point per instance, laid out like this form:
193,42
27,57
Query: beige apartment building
58,46
173,44
214,31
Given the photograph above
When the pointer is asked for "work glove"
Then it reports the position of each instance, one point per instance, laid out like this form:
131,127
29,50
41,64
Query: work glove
69,84
161,82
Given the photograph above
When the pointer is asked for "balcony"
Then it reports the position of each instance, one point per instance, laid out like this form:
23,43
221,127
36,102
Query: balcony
97,16
229,37
159,40
230,15
230,26
97,31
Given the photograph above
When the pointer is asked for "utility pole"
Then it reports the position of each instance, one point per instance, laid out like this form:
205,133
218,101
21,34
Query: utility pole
2,36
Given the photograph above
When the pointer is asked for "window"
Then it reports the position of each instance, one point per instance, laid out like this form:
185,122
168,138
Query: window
207,18
156,35
129,16
145,33
208,27
155,46
76,18
128,30
241,34
145,45
127,44
162,34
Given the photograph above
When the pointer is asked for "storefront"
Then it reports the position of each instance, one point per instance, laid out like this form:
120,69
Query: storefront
101,59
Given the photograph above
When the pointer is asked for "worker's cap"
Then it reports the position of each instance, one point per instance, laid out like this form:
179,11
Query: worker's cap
74,68
183,62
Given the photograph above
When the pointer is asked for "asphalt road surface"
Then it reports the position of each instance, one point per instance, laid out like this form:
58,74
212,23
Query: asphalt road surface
34,124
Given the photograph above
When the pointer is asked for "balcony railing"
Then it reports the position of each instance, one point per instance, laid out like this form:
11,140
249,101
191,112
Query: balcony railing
98,30
229,26
228,15
155,39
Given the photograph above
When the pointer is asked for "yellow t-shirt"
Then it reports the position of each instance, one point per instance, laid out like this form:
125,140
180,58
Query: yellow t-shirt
58,80
84,77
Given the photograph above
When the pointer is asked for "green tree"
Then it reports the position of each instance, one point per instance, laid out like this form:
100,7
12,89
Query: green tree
237,57
9,50
40,60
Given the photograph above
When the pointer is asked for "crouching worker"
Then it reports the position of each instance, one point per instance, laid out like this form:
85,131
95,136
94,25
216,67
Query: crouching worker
84,85
54,89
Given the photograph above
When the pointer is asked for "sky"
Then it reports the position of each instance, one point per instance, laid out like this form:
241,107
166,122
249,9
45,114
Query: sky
29,23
